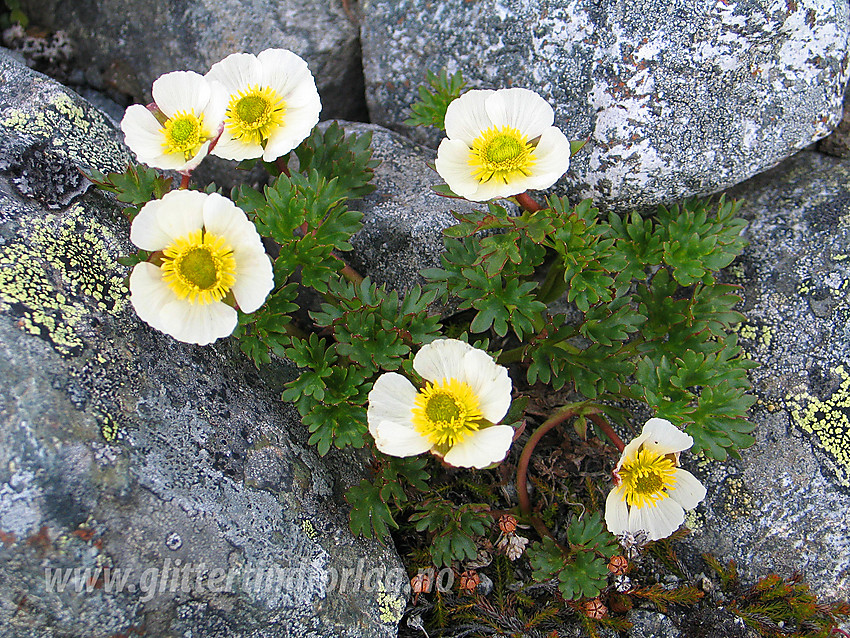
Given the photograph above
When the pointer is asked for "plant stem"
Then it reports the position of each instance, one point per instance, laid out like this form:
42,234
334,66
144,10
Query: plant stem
282,164
603,425
514,355
559,417
555,271
350,274
527,202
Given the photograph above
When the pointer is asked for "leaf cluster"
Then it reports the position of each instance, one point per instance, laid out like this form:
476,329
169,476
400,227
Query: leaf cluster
136,186
375,328
654,323
331,398
373,502
434,99
452,527
581,567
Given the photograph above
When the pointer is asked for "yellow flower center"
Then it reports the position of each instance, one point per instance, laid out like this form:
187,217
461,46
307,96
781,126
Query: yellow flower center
647,477
185,134
254,114
502,154
199,267
446,412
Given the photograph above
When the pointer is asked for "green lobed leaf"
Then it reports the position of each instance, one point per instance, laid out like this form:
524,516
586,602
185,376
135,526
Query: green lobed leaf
434,99
334,156
453,528
370,515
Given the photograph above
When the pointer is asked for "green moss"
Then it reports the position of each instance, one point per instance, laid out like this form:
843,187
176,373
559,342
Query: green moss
828,421
57,276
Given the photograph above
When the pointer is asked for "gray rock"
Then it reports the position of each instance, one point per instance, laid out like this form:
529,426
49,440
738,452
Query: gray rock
784,508
134,42
650,623
403,218
127,455
677,98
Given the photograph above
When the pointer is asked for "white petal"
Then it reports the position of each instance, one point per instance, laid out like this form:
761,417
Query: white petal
521,109
296,127
466,117
198,323
181,91
392,398
233,149
142,133
149,294
687,490
161,221
453,166
236,72
254,281
552,156
223,217
616,512
481,448
497,188
396,439
442,359
287,74
659,520
216,107
662,437
490,382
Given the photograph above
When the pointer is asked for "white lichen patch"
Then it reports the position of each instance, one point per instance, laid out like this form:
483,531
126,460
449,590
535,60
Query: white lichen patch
828,421
59,274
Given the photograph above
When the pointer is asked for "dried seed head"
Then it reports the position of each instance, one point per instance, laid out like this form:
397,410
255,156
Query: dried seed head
507,524
469,581
618,565
595,609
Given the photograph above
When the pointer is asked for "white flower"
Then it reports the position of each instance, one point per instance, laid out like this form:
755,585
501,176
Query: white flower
651,493
501,143
211,254
453,416
273,104
185,119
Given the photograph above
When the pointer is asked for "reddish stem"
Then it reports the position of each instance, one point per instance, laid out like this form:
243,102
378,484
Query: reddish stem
184,181
282,164
528,450
527,202
352,275
603,425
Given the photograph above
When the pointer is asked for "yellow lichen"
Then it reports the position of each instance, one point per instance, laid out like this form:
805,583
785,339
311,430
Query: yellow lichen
308,529
390,606
61,273
828,421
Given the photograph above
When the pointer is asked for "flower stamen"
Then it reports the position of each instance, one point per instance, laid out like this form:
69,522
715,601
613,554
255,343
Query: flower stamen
199,267
446,412
254,114
502,154
647,477
185,134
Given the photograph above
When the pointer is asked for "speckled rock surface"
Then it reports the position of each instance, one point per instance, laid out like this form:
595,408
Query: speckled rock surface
132,42
169,476
403,219
786,506
676,98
